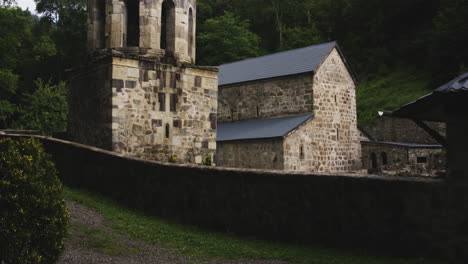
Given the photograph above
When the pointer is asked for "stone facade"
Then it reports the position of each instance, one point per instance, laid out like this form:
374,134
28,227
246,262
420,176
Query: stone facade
398,158
402,130
153,28
139,94
328,143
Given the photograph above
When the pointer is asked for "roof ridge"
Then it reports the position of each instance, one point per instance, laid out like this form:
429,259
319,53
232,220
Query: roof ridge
280,52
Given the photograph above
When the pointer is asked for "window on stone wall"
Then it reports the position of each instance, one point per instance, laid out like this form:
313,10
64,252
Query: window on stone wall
421,159
301,152
168,131
373,158
168,27
174,101
133,23
101,20
258,111
337,134
384,158
190,33
162,102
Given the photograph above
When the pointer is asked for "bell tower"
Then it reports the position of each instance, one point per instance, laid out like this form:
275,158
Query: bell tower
140,92
145,27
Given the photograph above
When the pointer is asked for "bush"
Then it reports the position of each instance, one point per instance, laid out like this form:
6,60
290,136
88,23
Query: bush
33,216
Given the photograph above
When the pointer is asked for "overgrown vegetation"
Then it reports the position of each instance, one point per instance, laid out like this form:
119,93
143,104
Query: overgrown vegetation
195,243
33,215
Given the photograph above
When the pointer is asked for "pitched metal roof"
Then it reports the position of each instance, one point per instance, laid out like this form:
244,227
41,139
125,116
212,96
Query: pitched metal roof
263,128
290,62
457,84
405,144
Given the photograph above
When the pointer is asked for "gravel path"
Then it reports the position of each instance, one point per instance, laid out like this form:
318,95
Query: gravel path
108,246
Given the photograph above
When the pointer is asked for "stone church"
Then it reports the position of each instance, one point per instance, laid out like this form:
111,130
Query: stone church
140,92
293,110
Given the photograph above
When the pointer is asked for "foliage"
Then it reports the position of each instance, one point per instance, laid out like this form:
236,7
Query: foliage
34,218
207,161
47,108
225,39
199,244
172,159
388,93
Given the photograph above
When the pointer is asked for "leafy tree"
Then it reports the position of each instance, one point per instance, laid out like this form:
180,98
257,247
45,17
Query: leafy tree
46,108
225,39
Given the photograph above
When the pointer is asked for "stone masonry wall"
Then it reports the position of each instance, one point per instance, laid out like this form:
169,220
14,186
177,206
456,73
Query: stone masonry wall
402,130
266,98
335,139
404,159
256,154
90,105
108,28
160,110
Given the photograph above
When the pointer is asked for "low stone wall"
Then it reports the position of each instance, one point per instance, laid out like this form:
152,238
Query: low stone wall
395,216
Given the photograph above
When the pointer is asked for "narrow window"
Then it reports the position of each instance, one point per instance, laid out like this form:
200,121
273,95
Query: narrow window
162,102
384,157
101,20
174,101
422,159
190,33
232,114
301,152
335,98
337,134
133,23
168,130
258,111
373,161
168,27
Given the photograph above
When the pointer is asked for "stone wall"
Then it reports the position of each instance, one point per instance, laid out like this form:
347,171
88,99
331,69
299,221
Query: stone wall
400,159
108,27
146,108
90,104
266,98
335,138
393,215
402,130
255,154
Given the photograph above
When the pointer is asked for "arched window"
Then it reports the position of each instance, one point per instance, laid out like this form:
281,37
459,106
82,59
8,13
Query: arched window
373,161
168,27
168,131
384,158
191,38
133,23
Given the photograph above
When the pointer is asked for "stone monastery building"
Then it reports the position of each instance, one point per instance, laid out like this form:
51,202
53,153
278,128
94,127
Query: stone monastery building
140,93
293,110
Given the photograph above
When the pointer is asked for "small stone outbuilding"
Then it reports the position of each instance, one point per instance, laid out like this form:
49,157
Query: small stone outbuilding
294,110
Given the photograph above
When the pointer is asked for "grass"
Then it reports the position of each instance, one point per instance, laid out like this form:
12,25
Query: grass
195,243
101,241
388,93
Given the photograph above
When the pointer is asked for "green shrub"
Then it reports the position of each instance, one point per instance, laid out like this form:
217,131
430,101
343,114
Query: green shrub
207,161
172,159
33,216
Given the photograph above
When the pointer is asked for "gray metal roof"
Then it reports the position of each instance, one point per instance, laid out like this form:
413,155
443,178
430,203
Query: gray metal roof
284,63
263,128
405,144
457,84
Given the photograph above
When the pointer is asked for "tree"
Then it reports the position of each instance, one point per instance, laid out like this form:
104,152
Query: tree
225,39
46,109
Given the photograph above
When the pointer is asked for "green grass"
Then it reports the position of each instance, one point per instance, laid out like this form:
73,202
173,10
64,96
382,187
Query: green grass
101,241
198,244
388,93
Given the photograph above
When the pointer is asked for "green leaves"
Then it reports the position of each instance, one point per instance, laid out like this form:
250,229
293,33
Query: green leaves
225,39
46,109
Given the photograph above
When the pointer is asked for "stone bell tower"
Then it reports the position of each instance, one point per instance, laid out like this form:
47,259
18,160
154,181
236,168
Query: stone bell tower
140,92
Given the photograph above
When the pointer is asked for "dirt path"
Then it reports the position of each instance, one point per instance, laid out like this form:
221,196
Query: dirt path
93,240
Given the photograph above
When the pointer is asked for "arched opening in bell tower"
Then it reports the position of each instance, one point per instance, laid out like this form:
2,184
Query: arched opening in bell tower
133,23
168,27
101,24
191,39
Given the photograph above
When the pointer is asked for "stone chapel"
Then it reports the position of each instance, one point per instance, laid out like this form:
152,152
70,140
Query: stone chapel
140,92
